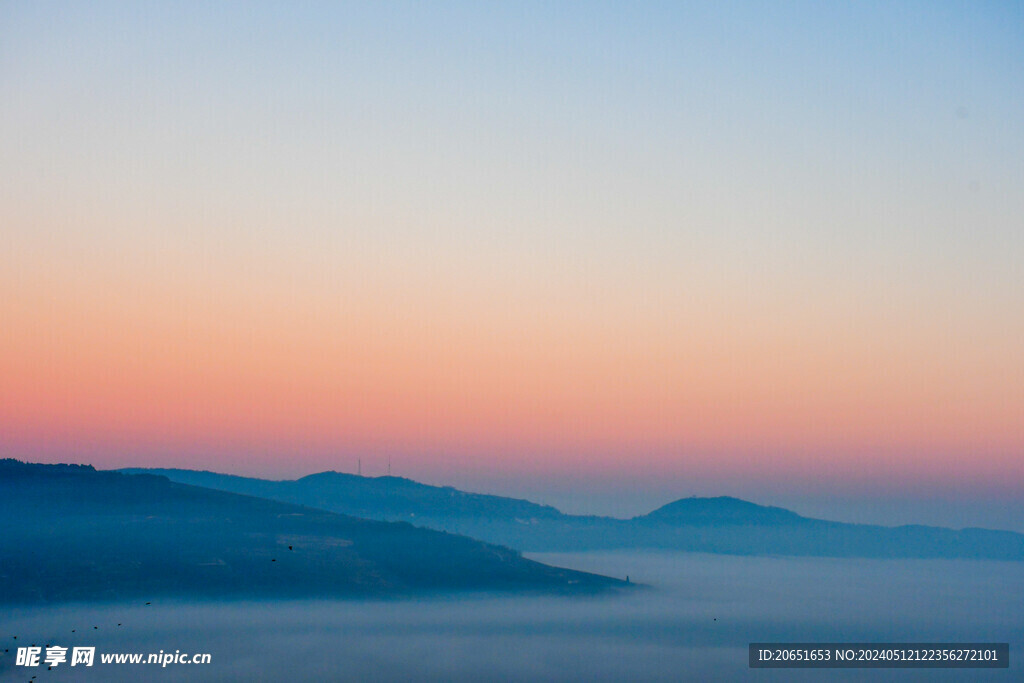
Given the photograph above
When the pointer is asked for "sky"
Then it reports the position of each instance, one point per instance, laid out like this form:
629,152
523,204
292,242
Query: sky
601,255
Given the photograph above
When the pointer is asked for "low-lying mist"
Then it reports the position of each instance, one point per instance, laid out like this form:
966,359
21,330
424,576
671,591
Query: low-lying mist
693,620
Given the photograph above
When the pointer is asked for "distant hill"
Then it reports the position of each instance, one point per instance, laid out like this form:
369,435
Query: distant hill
715,525
723,510
69,532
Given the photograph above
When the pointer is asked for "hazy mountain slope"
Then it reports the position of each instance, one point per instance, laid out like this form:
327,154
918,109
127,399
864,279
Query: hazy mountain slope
70,532
717,525
368,497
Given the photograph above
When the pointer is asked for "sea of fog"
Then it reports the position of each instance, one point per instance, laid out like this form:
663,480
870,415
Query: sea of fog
694,622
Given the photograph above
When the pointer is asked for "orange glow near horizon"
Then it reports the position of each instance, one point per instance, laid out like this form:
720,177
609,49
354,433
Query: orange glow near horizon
502,373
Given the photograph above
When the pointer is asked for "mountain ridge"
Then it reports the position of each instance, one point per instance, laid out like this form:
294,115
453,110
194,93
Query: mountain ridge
76,533
720,524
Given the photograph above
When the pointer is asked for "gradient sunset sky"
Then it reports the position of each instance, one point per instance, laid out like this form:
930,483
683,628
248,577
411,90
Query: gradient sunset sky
601,255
